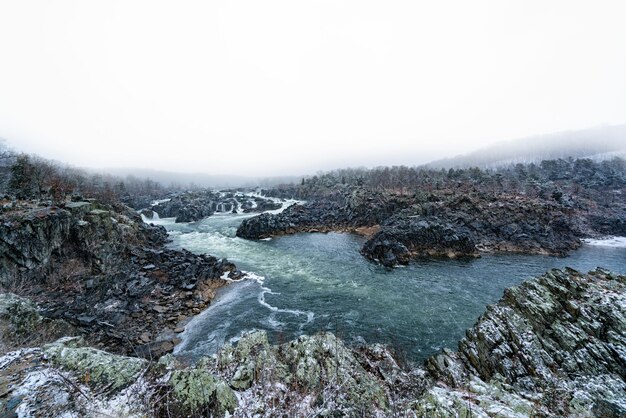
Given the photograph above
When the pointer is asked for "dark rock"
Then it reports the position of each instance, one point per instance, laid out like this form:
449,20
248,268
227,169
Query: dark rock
560,333
119,280
405,238
86,320
156,349
159,309
357,209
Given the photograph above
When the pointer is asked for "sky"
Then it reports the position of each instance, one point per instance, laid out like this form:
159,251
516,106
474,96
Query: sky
292,87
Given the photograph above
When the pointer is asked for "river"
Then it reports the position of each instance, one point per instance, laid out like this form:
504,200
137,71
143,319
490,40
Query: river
305,283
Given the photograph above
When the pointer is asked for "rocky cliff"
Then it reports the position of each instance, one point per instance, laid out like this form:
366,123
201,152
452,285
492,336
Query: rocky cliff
558,340
103,270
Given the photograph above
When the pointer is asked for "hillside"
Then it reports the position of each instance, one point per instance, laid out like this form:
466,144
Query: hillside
596,143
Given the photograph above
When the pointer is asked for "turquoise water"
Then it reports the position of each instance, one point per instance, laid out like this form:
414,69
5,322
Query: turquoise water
305,283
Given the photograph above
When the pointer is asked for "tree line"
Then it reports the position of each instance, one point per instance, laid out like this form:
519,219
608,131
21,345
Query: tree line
576,176
24,176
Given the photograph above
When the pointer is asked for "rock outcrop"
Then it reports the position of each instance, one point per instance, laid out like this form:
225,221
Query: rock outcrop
440,226
357,209
105,370
559,339
316,375
467,226
296,218
108,274
195,391
406,238
32,237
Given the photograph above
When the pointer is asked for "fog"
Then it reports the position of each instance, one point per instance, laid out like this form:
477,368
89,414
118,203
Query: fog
291,87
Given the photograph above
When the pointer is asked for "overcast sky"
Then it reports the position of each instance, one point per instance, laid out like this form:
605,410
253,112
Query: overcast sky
289,87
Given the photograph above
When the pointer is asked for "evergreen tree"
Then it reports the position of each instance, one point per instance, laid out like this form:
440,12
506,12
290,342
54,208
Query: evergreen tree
23,182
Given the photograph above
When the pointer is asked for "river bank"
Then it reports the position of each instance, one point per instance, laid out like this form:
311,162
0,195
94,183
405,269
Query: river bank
550,347
106,274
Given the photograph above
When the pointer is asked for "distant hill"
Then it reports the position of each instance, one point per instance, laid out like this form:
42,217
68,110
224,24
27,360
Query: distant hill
597,143
167,178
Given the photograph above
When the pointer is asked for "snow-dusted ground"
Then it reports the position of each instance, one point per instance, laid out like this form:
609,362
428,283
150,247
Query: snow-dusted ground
44,390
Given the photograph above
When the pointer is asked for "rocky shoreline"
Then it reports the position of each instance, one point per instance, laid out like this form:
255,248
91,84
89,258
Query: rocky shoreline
352,211
544,208
553,346
106,274
445,225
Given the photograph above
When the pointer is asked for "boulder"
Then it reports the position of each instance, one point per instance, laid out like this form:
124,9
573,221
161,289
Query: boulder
404,238
19,315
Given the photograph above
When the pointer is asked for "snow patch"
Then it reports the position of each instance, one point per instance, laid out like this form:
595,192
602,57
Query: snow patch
9,358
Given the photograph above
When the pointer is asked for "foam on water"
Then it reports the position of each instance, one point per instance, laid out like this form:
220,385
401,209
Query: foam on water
196,341
267,291
159,221
614,242
157,202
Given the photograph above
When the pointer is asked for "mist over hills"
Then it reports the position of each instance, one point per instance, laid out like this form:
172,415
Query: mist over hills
215,181
596,143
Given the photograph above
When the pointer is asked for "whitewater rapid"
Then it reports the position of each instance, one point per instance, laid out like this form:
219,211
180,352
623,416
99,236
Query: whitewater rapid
613,242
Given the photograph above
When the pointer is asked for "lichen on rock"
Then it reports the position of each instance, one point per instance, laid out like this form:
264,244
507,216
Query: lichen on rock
110,371
553,346
317,372
20,313
560,336
196,390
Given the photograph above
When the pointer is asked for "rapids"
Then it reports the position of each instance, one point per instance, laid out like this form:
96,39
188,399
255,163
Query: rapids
306,283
